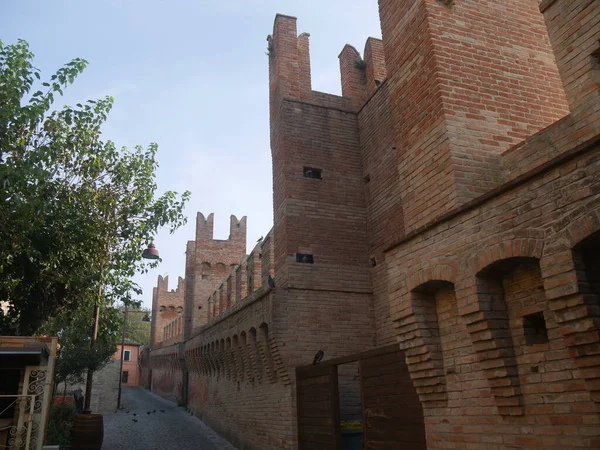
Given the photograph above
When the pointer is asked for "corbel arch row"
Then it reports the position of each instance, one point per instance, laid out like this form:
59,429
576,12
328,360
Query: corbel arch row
248,355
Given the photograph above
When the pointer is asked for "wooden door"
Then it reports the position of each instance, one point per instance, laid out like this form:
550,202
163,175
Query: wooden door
393,416
318,408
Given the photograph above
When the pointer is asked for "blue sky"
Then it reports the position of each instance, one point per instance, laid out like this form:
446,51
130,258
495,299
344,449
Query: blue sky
193,77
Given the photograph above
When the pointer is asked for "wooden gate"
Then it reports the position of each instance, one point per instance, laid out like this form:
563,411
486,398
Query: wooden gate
317,407
392,412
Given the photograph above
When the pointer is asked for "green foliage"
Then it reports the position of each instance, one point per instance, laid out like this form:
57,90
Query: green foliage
75,211
74,330
137,330
360,64
60,424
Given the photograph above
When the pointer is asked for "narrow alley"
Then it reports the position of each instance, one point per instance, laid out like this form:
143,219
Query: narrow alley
148,422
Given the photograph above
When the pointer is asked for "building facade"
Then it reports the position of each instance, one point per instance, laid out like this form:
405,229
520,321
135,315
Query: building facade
436,236
131,372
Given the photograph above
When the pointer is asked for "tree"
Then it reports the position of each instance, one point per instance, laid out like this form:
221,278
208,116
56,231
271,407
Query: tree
75,211
137,330
73,328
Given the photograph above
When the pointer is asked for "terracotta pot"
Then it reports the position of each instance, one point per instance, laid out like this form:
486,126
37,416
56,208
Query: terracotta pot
88,432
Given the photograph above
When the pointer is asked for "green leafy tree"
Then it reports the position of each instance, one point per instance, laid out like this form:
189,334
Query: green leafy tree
75,210
137,330
74,329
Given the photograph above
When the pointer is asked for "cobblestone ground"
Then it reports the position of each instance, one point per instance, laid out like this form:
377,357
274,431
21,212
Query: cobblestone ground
172,429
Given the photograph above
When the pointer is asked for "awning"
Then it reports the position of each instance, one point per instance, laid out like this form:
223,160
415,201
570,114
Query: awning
23,356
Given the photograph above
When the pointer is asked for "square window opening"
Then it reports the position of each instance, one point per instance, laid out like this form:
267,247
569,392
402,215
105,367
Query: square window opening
304,258
534,326
311,172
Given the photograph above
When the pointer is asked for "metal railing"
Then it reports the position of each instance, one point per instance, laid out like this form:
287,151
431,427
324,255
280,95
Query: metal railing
18,436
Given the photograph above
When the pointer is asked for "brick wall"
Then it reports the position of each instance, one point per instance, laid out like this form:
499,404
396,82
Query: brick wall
573,27
466,82
105,388
166,306
449,207
502,256
210,262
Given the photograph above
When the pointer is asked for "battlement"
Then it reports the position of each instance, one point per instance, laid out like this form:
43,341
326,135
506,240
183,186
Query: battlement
173,331
208,262
205,232
362,77
290,73
166,305
250,275
162,285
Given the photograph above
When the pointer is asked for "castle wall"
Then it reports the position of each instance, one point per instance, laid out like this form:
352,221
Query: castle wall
208,265
511,255
382,191
443,203
467,81
238,384
167,374
167,305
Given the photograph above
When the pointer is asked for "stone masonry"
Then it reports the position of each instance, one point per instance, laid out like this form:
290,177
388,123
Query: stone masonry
448,203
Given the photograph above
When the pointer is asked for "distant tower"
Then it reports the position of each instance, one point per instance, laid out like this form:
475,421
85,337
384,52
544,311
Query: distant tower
208,263
166,306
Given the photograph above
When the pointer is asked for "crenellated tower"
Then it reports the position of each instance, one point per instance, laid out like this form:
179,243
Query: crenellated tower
166,306
320,219
208,263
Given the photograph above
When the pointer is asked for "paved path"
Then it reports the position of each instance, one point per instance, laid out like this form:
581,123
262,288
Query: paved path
172,429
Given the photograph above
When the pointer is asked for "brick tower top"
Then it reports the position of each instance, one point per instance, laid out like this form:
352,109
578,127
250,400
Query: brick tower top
166,305
208,263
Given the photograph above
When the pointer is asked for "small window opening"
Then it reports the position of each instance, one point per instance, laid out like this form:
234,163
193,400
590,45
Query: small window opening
205,277
304,258
126,355
367,178
596,64
125,377
311,172
535,329
373,261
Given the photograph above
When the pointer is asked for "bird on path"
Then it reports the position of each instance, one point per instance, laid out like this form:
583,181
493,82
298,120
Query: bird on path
162,410
153,411
134,414
135,420
318,357
149,412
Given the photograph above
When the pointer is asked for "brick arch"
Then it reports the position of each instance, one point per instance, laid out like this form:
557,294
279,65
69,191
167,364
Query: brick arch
558,263
214,369
418,333
237,358
246,360
482,304
221,355
574,305
266,353
510,248
255,354
432,272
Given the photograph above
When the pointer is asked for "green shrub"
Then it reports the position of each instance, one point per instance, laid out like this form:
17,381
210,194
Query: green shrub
62,418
